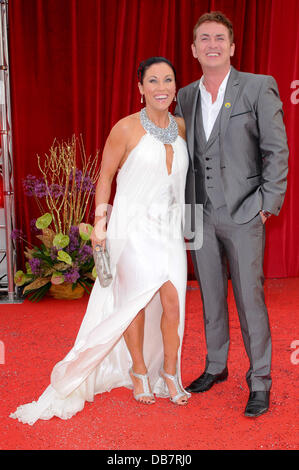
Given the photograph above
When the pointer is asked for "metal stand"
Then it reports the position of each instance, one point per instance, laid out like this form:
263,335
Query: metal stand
8,291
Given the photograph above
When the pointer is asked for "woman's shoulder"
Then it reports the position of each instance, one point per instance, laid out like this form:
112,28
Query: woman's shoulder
128,121
126,125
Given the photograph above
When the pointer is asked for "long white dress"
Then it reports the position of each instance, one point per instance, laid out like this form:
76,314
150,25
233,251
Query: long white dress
146,245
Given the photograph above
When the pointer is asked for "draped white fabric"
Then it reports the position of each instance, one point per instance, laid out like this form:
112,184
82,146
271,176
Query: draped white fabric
146,245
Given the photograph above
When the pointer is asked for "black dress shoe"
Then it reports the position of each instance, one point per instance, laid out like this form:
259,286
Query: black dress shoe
258,403
206,381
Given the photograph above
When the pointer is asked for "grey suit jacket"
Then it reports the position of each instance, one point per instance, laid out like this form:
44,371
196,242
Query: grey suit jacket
253,144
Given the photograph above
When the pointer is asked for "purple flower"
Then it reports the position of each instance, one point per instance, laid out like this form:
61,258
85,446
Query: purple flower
34,186
85,183
35,265
74,230
78,178
53,253
16,234
33,227
85,253
56,190
74,239
88,185
29,184
72,275
40,188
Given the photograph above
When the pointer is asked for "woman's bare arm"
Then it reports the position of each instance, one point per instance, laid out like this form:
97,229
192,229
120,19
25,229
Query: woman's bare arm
113,153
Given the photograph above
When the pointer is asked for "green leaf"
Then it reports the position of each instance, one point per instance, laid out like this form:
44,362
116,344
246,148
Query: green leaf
85,231
94,272
61,240
21,278
43,221
85,287
57,278
37,295
64,256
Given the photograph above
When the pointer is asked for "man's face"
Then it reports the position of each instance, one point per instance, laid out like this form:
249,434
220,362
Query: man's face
212,46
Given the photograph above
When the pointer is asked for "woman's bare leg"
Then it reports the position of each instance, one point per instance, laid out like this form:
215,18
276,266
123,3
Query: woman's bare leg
134,336
169,327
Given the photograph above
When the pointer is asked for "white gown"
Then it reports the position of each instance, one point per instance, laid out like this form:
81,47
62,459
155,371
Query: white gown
146,245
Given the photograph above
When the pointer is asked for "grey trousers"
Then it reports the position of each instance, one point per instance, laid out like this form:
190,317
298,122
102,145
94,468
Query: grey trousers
242,245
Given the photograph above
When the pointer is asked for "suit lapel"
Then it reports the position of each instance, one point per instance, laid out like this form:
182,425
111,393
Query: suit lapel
229,100
191,103
198,124
222,120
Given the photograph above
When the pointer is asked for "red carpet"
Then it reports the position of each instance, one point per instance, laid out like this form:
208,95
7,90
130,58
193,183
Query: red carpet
36,336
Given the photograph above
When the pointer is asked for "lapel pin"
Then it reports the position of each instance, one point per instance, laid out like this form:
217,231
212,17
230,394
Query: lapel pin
227,105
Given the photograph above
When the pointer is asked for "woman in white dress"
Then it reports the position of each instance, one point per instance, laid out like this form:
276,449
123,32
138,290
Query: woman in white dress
132,331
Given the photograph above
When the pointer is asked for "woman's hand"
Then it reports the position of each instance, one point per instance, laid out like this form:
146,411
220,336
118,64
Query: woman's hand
98,235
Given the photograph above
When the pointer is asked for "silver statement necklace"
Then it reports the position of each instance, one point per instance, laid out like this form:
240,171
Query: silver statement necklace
166,135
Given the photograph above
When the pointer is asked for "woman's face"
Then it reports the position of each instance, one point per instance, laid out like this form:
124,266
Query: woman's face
158,86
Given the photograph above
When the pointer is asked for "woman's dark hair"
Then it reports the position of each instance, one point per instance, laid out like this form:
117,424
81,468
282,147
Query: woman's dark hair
143,66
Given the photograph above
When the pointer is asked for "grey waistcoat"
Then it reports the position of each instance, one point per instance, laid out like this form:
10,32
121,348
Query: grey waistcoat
207,163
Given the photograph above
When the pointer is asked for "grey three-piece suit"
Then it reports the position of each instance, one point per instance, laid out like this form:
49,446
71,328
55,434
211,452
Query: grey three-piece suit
241,169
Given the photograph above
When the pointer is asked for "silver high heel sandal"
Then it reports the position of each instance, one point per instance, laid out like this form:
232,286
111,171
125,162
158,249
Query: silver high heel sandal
180,393
146,391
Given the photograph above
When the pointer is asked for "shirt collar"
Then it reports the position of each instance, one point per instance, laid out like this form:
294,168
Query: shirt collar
222,85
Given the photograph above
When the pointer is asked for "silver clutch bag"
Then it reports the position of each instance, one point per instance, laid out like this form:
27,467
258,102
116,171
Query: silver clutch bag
102,264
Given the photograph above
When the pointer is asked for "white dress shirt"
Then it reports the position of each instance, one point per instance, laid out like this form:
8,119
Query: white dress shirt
210,110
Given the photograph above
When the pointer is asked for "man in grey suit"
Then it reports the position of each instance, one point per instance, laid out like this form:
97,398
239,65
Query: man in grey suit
237,176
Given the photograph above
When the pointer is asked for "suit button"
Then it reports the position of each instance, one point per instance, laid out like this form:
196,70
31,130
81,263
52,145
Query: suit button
209,177
208,168
207,158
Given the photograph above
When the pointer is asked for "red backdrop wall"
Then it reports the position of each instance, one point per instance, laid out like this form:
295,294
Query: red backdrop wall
73,70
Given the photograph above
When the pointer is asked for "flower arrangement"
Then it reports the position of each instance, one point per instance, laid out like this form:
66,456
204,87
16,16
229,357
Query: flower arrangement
64,195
